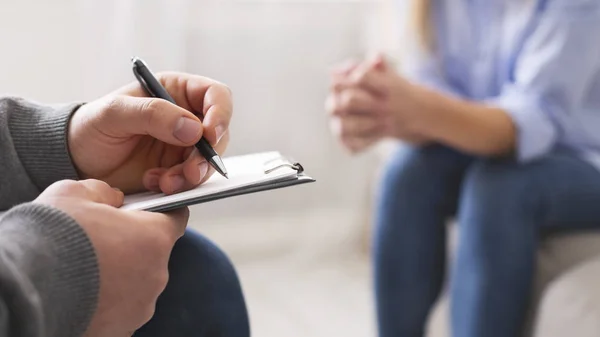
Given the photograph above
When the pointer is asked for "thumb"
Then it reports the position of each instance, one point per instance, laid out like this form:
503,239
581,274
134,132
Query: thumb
128,116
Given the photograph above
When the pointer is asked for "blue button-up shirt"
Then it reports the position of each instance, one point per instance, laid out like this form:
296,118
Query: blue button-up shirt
539,60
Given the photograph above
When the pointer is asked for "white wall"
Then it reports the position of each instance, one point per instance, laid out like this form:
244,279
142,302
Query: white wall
274,55
39,48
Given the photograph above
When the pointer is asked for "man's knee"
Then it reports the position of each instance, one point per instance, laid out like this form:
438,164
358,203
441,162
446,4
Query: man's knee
200,269
195,252
203,295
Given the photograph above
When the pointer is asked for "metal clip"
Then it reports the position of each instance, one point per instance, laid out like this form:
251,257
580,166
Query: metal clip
275,166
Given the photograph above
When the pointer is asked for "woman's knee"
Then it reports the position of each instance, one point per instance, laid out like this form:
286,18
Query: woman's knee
494,184
414,167
498,202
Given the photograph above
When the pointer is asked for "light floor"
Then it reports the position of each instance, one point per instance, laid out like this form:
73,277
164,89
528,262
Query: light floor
303,274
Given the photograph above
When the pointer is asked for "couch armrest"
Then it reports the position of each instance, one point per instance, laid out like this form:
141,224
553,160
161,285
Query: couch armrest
571,303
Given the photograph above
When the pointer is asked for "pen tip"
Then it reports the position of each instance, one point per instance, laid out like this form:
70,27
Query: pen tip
219,166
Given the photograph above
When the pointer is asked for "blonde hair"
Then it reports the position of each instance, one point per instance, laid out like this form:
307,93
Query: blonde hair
421,25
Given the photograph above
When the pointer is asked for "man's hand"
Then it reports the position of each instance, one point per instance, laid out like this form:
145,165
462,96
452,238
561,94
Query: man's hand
369,101
136,143
133,250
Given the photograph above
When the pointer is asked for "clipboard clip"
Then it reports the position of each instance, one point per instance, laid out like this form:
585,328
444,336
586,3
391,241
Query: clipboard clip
277,163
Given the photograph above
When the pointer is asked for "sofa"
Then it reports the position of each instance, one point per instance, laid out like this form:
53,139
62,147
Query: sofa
566,300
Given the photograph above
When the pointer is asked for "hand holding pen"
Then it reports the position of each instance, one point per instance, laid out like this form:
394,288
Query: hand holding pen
155,89
136,143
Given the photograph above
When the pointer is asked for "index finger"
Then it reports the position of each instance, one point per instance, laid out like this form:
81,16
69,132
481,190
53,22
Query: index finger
344,68
217,108
209,99
366,76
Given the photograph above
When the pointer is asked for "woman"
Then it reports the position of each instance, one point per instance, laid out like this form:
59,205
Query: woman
502,108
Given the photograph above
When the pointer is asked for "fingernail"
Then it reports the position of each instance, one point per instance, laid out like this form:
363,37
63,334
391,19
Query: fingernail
203,166
187,130
117,189
177,183
220,131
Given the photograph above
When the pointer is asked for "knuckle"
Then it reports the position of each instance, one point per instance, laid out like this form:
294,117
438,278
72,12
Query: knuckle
346,100
185,216
162,278
349,144
113,103
345,131
352,100
95,185
165,77
67,186
162,76
336,87
228,88
149,110
94,182
223,87
164,243
150,106
147,313
360,77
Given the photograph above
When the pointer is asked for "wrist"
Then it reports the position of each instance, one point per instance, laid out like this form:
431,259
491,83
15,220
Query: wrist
427,109
74,133
468,126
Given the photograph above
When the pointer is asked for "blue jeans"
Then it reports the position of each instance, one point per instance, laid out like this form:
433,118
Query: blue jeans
203,297
502,208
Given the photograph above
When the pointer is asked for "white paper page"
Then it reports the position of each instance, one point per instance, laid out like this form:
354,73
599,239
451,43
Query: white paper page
243,171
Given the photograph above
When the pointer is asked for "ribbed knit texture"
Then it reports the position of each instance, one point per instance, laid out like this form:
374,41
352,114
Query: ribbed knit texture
49,278
39,134
57,269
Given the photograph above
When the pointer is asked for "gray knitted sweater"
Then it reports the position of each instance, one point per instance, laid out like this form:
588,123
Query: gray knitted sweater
48,270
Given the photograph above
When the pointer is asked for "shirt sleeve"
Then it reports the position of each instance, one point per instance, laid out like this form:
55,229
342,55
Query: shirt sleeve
422,66
558,61
427,72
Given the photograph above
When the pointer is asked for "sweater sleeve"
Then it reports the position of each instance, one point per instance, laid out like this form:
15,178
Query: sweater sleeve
33,149
49,277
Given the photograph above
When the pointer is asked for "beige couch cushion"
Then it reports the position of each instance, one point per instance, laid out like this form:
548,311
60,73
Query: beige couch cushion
566,293
571,304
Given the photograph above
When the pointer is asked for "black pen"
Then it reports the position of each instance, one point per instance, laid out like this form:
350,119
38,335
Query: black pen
155,89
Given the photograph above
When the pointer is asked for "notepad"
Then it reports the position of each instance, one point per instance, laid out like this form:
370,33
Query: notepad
247,174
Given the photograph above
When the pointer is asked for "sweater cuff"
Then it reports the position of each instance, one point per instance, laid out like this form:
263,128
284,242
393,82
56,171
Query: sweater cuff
40,137
57,258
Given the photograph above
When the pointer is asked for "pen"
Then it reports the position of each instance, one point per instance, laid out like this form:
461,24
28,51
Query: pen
155,89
